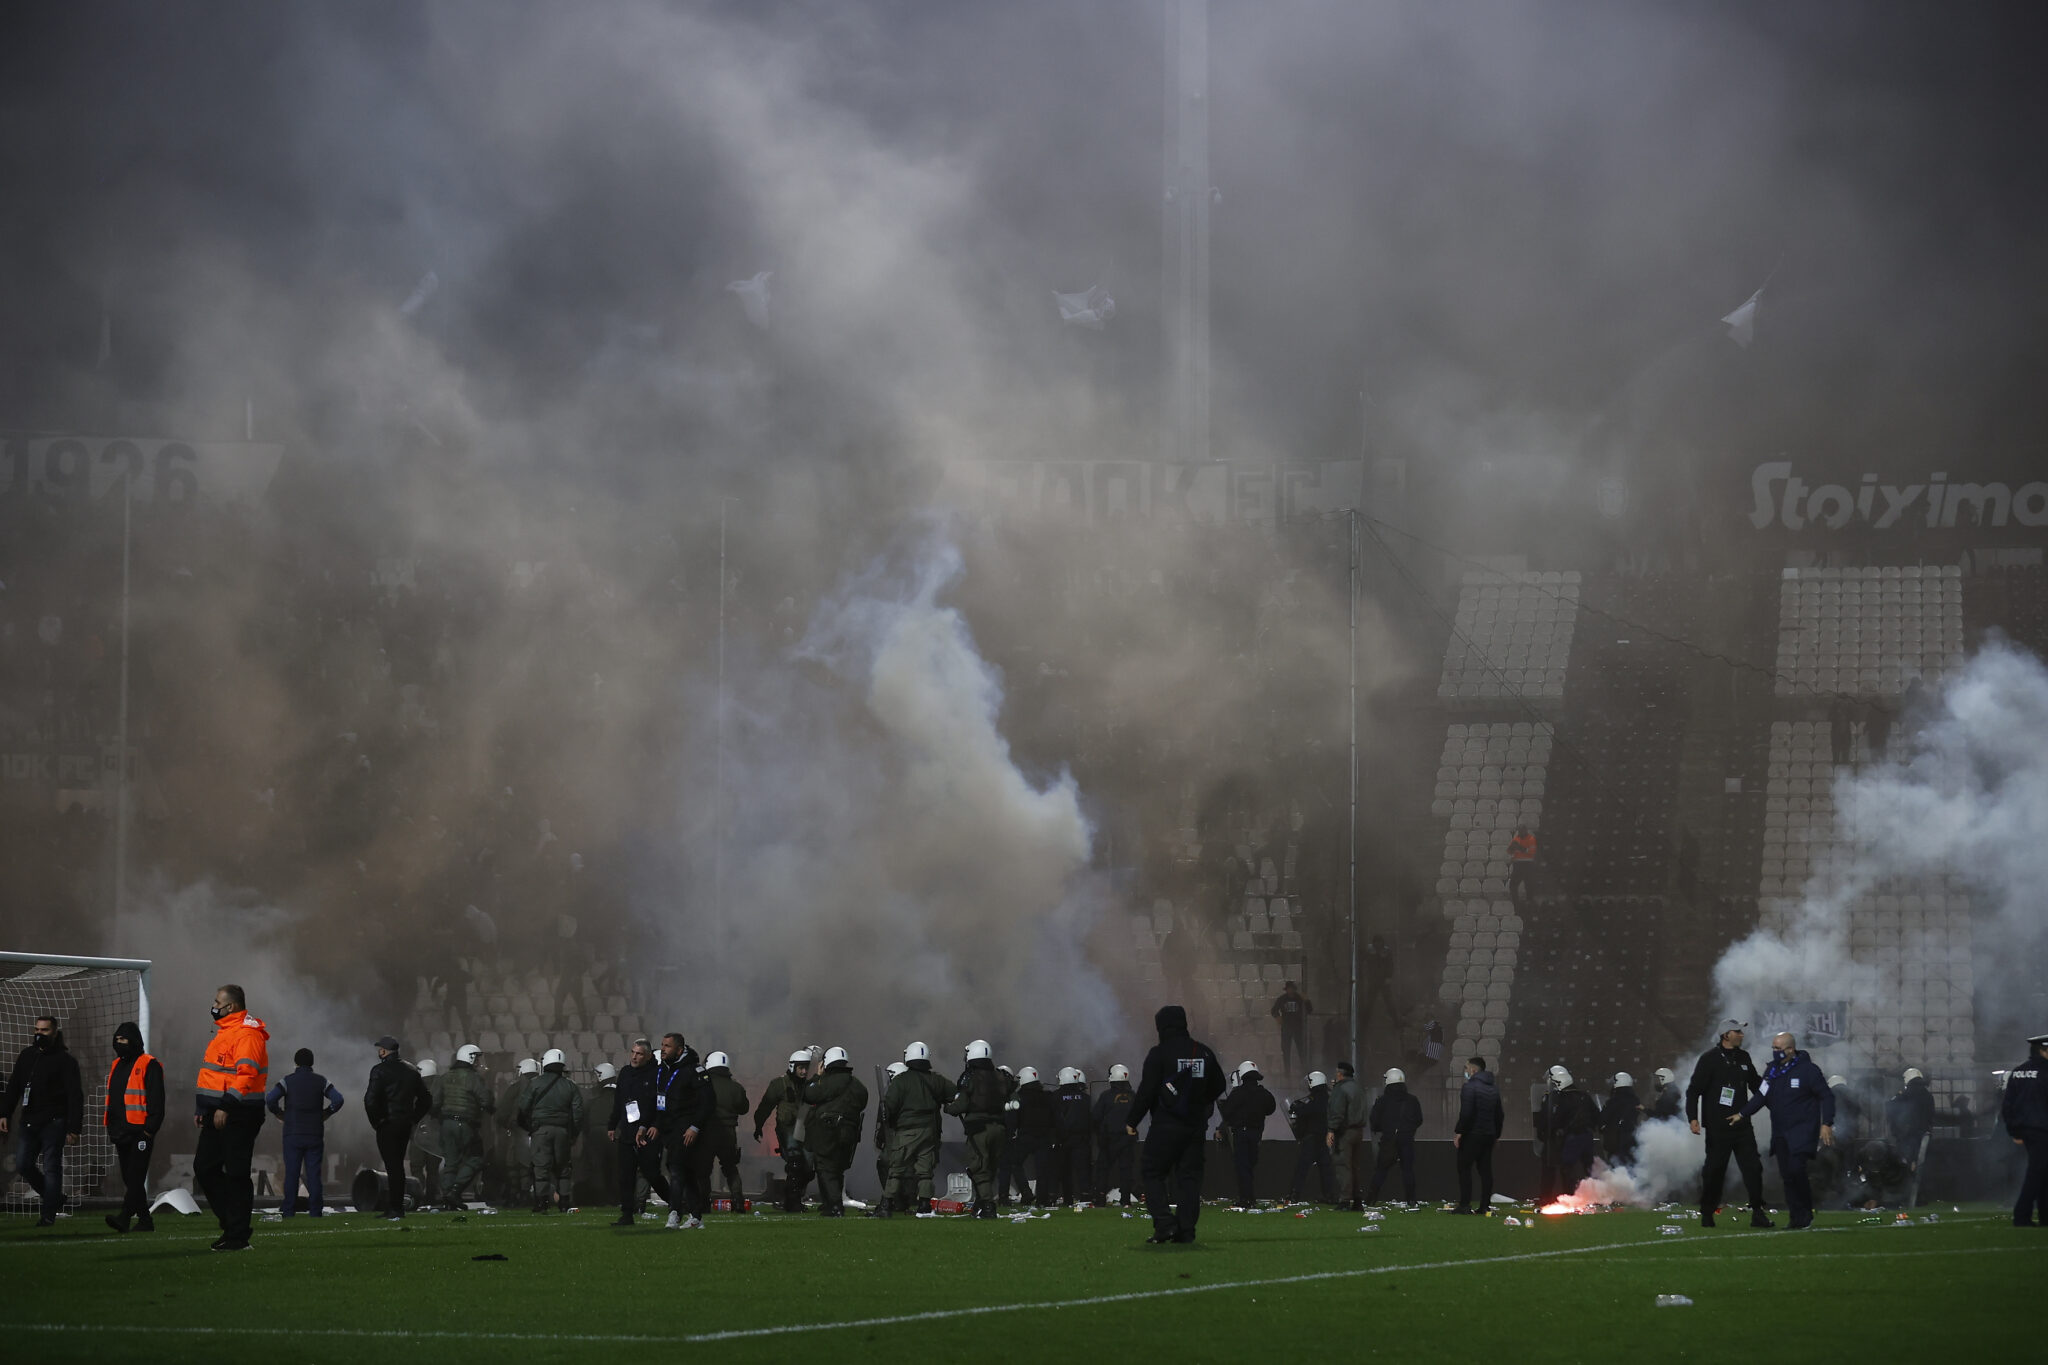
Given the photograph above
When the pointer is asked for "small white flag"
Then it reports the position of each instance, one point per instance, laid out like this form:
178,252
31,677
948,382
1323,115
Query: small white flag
754,296
1741,323
1090,308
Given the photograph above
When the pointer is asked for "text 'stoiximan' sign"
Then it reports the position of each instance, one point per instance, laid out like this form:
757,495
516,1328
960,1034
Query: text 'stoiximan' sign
1780,499
1099,492
1812,1023
150,471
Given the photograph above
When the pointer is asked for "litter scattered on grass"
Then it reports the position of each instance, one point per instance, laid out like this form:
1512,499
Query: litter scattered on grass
1673,1301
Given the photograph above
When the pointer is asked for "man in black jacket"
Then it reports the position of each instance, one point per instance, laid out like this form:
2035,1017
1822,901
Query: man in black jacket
1116,1162
1072,1132
2024,1112
135,1110
1396,1116
684,1109
1292,1009
1177,1090
1569,1121
633,1116
1481,1117
1243,1113
1619,1119
395,1102
1802,1119
45,1084
1309,1117
1032,1139
1723,1080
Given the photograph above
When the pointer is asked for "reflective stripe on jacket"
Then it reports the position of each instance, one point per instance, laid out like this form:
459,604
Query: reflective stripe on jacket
135,1101
236,1069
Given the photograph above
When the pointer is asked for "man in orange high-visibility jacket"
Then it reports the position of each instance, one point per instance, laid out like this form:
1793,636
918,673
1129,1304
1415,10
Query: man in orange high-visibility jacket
232,1081
135,1110
1521,862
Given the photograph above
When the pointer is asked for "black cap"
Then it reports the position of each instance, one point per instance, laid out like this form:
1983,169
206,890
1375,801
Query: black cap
1347,1068
388,1043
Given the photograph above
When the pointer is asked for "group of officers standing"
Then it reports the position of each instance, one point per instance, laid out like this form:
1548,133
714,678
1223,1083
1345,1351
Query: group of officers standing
671,1118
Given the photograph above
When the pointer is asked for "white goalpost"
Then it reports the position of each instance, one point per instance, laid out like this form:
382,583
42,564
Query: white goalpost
89,997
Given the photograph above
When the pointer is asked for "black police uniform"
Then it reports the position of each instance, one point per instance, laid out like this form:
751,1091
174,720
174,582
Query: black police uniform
1244,1111
2025,1115
1723,1082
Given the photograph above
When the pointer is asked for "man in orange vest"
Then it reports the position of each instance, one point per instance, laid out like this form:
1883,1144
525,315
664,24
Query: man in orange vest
1521,862
232,1080
135,1110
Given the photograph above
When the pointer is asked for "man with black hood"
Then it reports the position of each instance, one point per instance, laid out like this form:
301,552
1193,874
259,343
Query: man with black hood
1116,1157
1396,1116
1309,1117
1723,1080
45,1084
303,1102
1481,1117
135,1110
1244,1112
1619,1119
1802,1119
980,1098
395,1102
1177,1090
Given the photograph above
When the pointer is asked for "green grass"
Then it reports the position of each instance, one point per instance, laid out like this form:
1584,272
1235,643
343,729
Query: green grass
351,1288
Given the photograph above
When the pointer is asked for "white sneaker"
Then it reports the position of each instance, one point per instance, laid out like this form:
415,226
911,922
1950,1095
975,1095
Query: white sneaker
675,1220
694,1222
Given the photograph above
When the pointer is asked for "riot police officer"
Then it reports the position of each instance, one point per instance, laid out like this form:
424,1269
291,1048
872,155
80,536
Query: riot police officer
2025,1115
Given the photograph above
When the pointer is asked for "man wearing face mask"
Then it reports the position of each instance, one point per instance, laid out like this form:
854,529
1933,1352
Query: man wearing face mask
135,1110
1802,1120
46,1085
228,1111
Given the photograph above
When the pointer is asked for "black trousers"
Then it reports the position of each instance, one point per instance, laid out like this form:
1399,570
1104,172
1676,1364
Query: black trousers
1291,1043
1173,1178
1116,1167
1395,1149
1244,1155
1311,1151
132,1149
221,1168
392,1140
2033,1204
1476,1154
1070,1162
1021,1154
796,1170
689,1174
1722,1143
635,1161
1798,1183
725,1154
1381,990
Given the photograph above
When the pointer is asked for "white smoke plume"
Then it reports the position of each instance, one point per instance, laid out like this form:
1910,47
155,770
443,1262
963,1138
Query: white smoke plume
1964,794
888,861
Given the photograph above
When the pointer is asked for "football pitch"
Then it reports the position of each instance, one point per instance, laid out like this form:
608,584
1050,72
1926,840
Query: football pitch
1420,1285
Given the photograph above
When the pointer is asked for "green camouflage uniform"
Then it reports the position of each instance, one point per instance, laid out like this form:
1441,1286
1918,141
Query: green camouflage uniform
551,1112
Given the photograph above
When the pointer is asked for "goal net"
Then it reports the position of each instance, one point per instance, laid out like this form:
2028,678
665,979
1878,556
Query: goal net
89,998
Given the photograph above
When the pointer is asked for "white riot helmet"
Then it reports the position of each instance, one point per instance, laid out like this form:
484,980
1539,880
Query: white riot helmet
1316,1078
1665,1075
896,1069
1071,1075
836,1054
917,1052
1622,1078
1395,1076
607,1072
1120,1072
529,1067
1837,1082
1246,1068
1559,1078
553,1057
1913,1073
800,1057
718,1059
979,1050
1026,1075
428,1067
469,1054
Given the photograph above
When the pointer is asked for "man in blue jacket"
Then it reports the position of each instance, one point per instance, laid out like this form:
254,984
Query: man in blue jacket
1802,1118
303,1102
